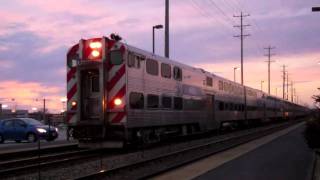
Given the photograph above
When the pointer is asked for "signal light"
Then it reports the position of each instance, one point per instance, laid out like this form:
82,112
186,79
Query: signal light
92,49
117,102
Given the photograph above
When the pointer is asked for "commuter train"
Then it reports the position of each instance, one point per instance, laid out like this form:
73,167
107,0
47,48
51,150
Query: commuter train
120,95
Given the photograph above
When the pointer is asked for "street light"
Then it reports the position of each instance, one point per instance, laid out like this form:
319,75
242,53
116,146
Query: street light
4,106
319,62
234,73
159,26
262,84
314,9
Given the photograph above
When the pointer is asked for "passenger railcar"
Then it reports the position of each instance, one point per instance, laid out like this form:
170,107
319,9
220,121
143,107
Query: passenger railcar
119,94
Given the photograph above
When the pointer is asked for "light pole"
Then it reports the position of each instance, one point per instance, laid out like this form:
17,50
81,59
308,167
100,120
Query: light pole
159,26
234,73
262,85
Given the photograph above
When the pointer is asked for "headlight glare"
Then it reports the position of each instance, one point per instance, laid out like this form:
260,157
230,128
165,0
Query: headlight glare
41,130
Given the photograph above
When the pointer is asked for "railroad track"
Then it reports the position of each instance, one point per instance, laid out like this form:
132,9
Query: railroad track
123,164
149,167
33,151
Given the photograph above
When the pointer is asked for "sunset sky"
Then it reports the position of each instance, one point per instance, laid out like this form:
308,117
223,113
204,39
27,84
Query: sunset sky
36,34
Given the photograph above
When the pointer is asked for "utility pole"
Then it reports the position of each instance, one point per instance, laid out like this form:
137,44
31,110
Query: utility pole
284,80
44,109
166,41
295,96
241,26
287,85
269,62
291,91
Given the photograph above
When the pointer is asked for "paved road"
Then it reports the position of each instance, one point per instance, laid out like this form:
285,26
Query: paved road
286,158
13,146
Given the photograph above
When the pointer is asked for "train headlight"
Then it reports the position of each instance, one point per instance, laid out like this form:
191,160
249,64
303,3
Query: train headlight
94,45
92,49
117,101
74,103
95,53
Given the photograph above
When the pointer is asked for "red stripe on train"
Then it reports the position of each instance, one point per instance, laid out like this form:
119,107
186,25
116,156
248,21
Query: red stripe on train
111,44
69,116
71,73
72,91
116,78
120,94
118,117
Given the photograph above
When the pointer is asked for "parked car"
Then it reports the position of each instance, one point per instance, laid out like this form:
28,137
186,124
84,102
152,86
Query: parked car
29,129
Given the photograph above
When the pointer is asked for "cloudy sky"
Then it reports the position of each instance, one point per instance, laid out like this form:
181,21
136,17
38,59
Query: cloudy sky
35,35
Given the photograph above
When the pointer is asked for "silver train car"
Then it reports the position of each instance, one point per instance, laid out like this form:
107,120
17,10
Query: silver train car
119,95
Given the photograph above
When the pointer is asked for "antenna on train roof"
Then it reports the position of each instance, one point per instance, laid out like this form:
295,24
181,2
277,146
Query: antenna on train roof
115,37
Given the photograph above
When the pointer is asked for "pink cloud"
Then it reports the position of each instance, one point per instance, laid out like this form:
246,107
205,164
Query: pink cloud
30,94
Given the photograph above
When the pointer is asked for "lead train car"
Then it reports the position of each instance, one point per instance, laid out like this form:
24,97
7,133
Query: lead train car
118,95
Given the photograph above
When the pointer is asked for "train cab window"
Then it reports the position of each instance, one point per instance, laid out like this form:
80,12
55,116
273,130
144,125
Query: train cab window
220,85
95,83
165,70
136,100
177,73
209,81
116,57
152,101
152,67
177,103
166,102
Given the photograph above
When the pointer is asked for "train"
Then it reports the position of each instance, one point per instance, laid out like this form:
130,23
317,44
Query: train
120,95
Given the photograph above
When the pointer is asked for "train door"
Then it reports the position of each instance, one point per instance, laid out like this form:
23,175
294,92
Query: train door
211,113
90,94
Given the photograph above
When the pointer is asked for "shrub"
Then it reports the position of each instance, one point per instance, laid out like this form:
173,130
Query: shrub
312,133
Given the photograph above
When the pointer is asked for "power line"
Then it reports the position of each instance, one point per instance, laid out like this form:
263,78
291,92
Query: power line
209,16
222,12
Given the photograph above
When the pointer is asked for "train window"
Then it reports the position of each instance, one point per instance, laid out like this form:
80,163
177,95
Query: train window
221,106
225,86
177,73
193,104
116,57
136,100
231,106
134,60
152,101
152,67
95,83
166,102
177,103
131,59
165,70
209,81
221,85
